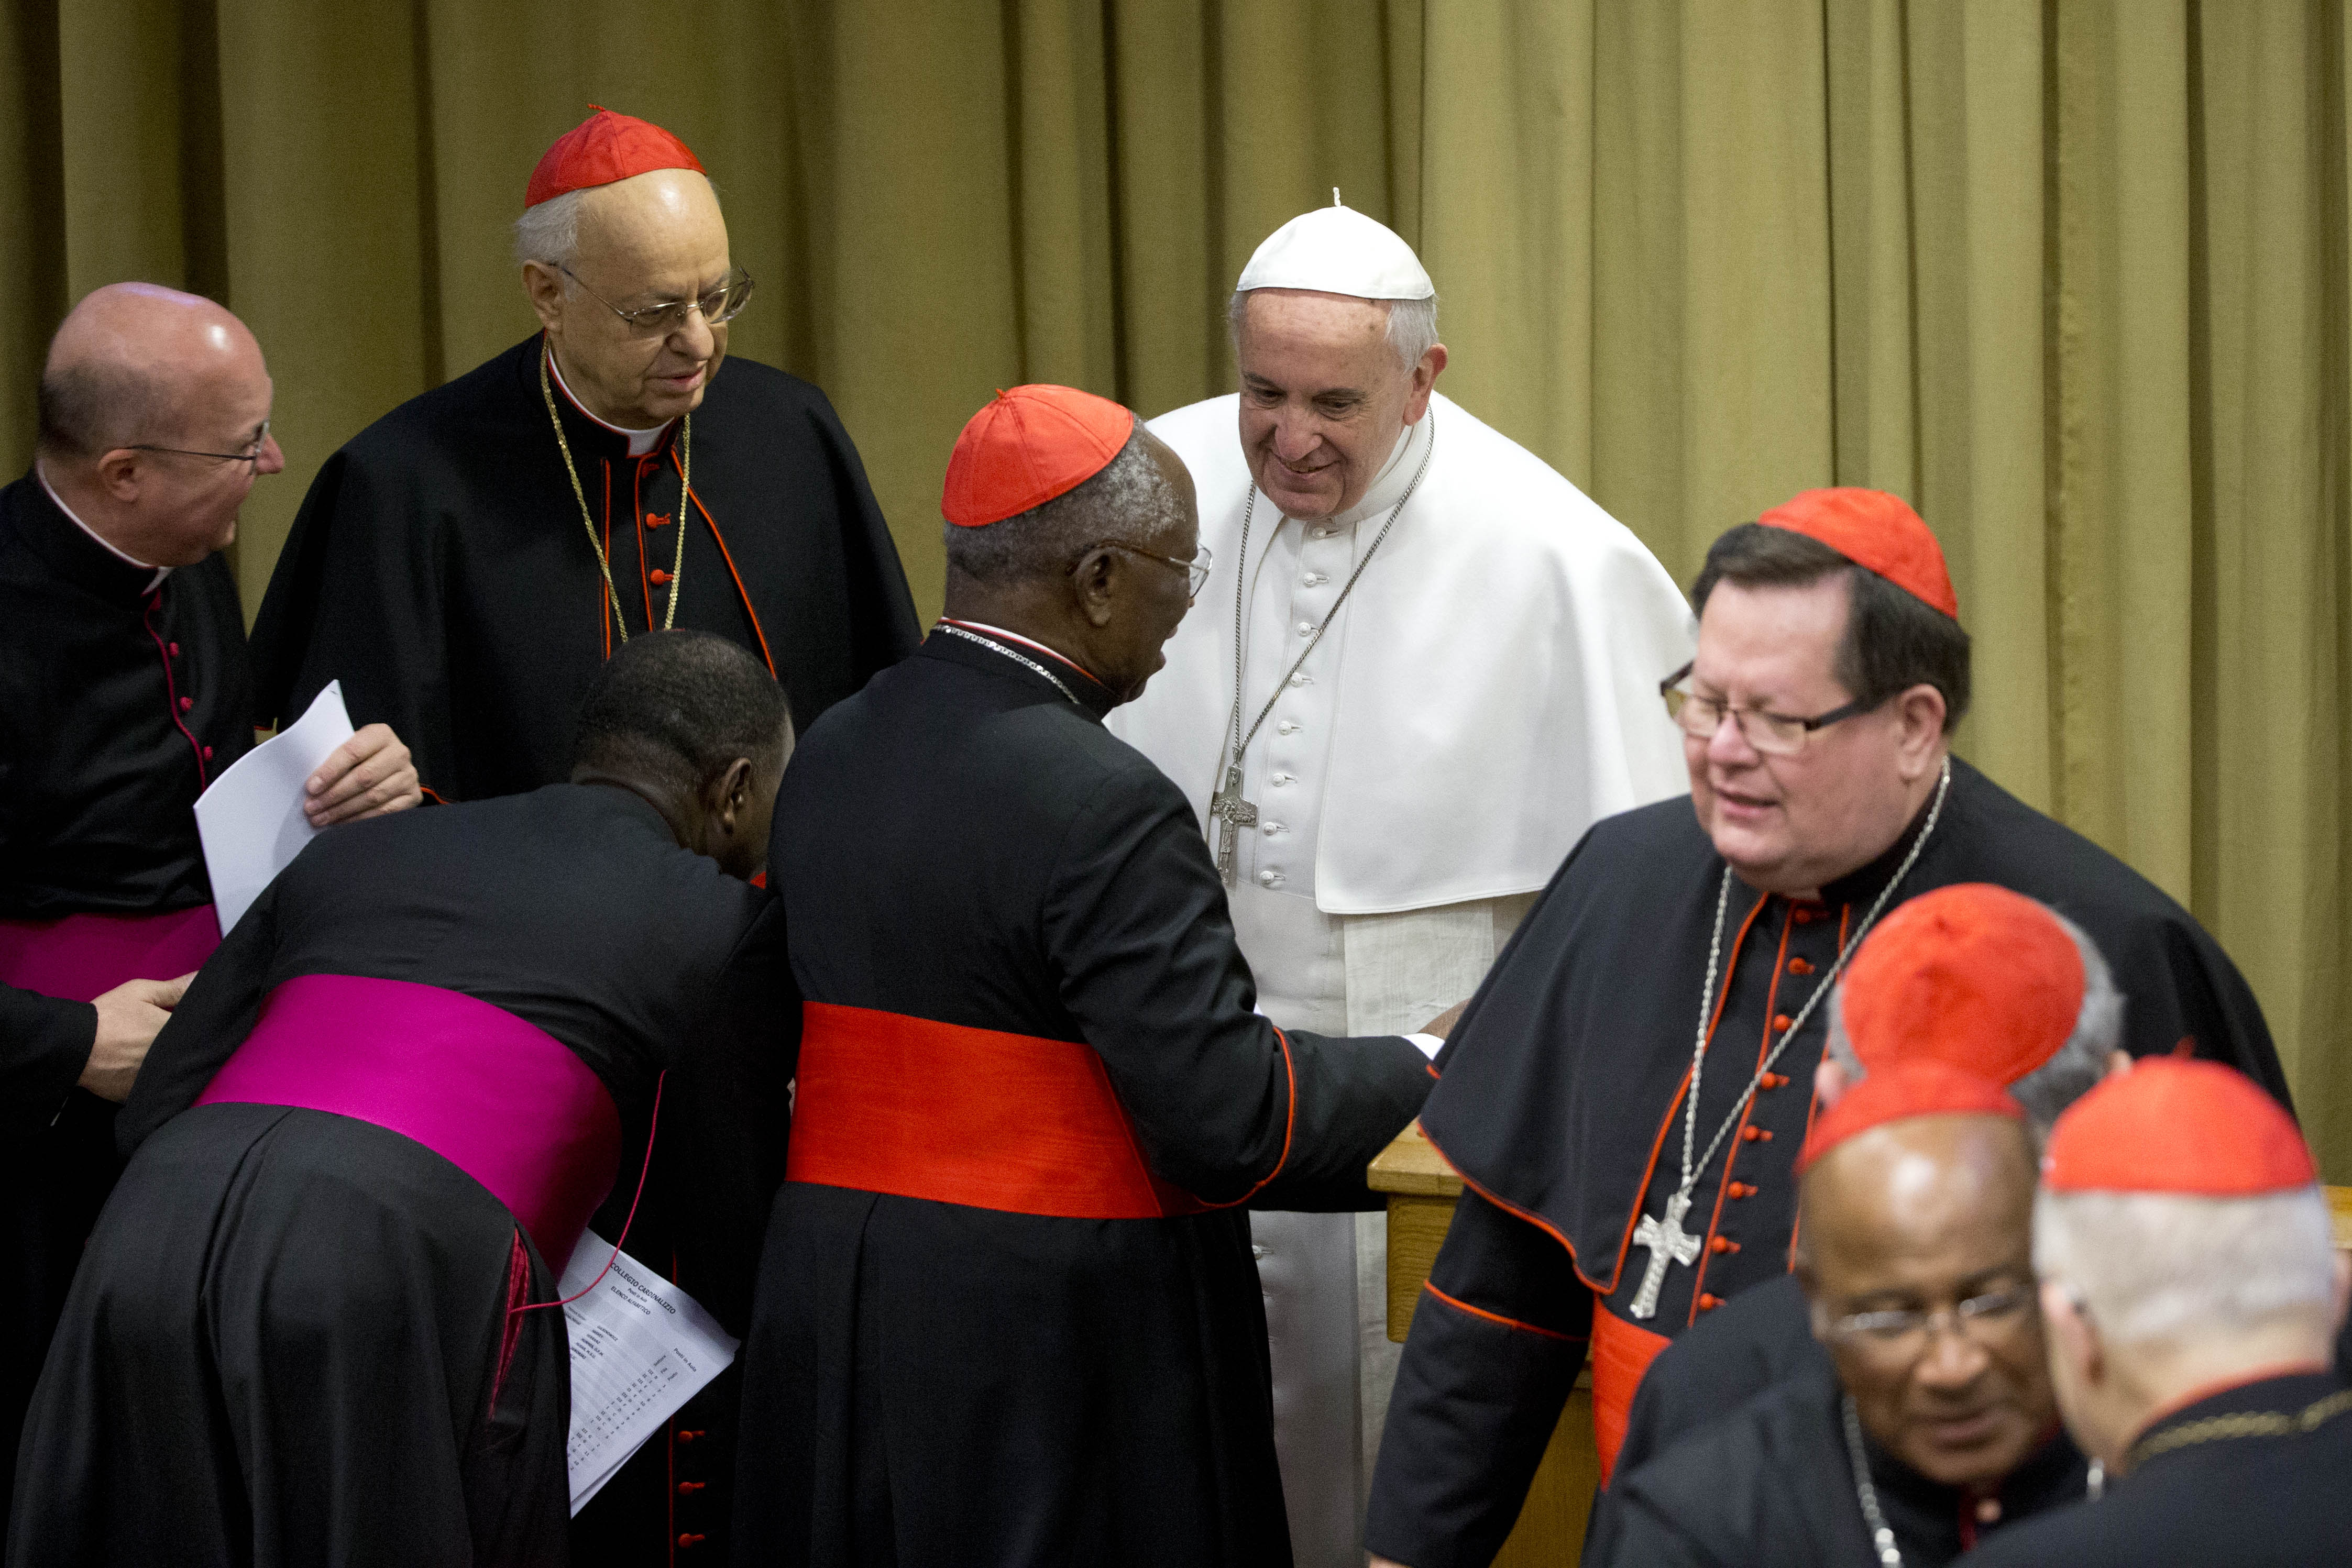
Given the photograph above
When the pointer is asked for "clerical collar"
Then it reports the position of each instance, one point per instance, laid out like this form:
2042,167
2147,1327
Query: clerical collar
127,559
1389,485
640,441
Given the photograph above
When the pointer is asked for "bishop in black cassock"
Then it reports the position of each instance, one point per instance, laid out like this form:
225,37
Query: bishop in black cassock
1563,1101
300,1337
124,691
1008,1310
464,563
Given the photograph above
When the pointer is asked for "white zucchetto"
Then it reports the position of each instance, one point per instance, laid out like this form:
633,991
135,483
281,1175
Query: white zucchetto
1338,250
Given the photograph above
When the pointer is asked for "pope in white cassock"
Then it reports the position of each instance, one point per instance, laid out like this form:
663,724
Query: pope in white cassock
1423,664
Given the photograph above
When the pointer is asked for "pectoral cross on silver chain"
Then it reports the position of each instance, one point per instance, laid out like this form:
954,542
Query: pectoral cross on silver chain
1667,1241
1232,814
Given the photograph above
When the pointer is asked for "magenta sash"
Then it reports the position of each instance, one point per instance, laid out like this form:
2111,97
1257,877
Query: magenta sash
503,1100
82,957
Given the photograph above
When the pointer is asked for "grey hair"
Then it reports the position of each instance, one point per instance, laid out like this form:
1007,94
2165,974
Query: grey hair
1129,498
2080,1061
548,233
2168,1266
1411,328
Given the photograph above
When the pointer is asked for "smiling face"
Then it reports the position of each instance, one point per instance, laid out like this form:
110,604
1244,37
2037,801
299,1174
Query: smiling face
1920,1215
1789,824
647,240
1323,397
194,501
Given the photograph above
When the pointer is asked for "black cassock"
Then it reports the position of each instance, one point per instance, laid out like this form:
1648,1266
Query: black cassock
121,697
285,1341
1771,1484
440,568
1743,1347
2250,1491
1561,1107
929,1380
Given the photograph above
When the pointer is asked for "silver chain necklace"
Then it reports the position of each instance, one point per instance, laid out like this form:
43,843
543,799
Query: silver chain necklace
1882,1534
994,646
1234,814
1665,1238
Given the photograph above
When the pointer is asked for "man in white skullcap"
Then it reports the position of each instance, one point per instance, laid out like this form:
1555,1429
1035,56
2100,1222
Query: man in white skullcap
1423,664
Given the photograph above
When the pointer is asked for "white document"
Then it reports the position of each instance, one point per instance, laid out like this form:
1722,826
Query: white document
251,820
641,1347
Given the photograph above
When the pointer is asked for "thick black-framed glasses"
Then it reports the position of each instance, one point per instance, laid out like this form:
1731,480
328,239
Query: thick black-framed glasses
1196,570
719,305
251,456
1774,733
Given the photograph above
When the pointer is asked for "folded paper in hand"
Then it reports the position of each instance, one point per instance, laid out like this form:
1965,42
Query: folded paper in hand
251,818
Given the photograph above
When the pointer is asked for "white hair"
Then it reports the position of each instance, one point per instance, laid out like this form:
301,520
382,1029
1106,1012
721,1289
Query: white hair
2164,1266
1411,328
2071,1071
548,233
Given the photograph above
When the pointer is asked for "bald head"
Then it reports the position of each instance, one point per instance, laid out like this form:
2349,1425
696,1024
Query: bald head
131,362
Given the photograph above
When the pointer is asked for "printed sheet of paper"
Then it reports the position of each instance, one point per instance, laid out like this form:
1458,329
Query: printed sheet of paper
251,820
641,1347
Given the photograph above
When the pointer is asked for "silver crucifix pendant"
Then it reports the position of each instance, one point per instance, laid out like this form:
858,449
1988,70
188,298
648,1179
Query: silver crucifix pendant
1664,1242
1232,814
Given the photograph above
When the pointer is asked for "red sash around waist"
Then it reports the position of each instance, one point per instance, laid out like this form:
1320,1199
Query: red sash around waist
1009,1121
504,1101
82,957
1622,1352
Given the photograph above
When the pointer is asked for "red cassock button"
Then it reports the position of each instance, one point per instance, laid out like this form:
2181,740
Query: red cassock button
1755,1135
1739,1189
690,1540
657,576
657,520
175,650
1709,1303
1800,916
1723,1244
1800,967
1780,1021
208,754
187,702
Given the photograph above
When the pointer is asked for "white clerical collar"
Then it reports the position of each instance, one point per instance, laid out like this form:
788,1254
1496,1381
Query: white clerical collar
640,441
160,571
1389,485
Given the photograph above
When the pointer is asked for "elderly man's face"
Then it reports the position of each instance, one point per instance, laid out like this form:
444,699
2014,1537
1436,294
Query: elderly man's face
1153,594
647,240
1917,1218
1323,397
223,408
1789,824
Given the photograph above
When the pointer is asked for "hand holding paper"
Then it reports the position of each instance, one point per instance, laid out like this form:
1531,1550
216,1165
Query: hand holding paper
367,776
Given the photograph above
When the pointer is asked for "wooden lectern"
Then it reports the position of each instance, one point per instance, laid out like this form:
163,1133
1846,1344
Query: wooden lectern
1550,1532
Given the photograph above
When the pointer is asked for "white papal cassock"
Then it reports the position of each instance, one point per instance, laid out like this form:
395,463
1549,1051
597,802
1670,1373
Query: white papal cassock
1488,691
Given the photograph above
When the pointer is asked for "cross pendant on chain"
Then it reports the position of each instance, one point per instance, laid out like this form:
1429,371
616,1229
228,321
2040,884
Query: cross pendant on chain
1664,1242
1232,814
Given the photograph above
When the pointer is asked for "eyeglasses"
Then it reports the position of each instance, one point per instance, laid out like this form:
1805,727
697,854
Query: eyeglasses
1908,1334
251,454
1774,733
1196,570
720,305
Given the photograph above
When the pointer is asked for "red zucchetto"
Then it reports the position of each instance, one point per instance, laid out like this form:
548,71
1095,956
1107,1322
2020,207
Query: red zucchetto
604,148
1029,446
1900,1091
1973,975
2174,1124
1876,530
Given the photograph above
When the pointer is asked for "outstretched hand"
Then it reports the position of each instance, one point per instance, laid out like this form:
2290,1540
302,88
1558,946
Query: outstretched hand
367,776
128,1018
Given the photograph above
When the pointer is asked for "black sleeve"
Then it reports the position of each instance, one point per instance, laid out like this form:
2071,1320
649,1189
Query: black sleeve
356,596
1743,1347
1497,1339
1226,1105
1628,1532
45,1043
883,629
221,1006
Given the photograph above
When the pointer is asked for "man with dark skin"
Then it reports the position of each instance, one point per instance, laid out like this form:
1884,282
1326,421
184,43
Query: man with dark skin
1915,1256
1008,1310
308,1327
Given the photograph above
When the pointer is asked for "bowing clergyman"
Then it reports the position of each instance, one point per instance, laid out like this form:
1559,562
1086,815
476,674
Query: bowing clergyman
1625,1098
1008,1310
1423,664
464,563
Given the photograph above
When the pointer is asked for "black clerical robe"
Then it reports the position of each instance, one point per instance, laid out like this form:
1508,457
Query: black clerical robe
967,854
1561,1107
121,695
441,568
2258,1481
1771,1484
291,1339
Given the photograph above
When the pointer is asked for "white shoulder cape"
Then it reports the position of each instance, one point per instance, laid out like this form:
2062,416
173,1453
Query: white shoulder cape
1499,685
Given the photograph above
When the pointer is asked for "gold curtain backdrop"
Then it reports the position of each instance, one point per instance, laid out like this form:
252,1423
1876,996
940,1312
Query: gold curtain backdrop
2071,275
